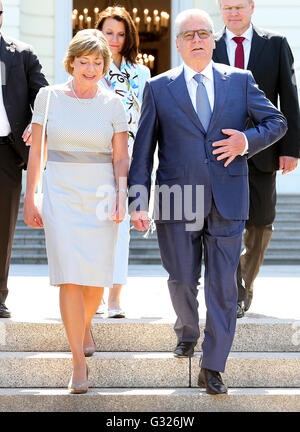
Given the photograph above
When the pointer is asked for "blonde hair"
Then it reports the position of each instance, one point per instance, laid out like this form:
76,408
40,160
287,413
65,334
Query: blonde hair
87,42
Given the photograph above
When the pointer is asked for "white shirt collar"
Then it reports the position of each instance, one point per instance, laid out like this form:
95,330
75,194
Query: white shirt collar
247,35
207,72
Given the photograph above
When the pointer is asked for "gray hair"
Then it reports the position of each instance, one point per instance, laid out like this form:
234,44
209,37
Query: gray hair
219,2
191,13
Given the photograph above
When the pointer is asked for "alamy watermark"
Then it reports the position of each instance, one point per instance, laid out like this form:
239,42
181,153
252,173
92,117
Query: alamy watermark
176,203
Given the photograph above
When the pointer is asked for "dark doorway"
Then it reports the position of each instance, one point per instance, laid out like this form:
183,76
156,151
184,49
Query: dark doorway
155,35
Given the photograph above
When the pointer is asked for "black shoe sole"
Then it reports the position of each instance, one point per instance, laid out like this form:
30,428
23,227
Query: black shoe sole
5,315
210,392
202,384
184,356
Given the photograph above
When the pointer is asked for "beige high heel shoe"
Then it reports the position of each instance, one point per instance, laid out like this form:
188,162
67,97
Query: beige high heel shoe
80,388
89,351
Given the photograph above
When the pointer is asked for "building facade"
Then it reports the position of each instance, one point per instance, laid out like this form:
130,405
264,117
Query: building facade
47,25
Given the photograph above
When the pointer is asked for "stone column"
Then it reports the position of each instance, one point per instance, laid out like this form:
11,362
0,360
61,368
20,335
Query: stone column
37,29
11,18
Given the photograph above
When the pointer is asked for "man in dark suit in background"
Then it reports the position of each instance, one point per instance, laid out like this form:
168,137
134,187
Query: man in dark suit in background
21,78
269,57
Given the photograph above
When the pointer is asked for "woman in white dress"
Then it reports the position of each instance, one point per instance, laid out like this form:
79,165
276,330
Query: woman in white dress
85,189
127,79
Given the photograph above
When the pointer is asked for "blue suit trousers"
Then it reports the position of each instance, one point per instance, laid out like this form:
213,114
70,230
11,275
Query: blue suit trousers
181,254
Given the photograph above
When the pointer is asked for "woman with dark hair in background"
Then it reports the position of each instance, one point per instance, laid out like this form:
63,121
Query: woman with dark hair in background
126,78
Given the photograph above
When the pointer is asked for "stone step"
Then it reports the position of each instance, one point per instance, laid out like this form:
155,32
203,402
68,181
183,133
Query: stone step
288,197
137,251
288,206
286,235
38,238
279,243
29,250
32,259
283,208
284,253
146,335
140,240
269,259
288,217
29,240
25,231
280,261
147,370
285,249
287,226
293,202
145,260
282,257
150,400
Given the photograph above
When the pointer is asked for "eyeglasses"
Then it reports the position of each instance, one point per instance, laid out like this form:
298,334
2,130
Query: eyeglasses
189,35
228,9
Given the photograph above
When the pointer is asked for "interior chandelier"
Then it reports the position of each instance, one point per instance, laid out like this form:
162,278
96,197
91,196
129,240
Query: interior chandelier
151,24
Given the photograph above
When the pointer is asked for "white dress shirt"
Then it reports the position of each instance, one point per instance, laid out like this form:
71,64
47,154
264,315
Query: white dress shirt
232,45
208,82
4,123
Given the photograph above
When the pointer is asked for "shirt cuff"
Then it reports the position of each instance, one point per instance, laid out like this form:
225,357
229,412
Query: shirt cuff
246,146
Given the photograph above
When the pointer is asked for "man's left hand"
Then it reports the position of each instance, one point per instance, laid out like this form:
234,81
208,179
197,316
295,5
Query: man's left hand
231,147
27,135
287,164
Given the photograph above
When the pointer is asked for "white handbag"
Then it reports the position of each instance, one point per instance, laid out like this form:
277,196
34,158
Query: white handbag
38,196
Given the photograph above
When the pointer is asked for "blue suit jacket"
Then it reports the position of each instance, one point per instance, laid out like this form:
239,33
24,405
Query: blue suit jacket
185,149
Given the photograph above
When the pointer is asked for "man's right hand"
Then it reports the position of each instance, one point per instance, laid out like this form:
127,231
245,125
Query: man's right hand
140,220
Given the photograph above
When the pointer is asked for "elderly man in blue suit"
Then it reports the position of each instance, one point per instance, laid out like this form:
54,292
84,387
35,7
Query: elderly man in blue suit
197,114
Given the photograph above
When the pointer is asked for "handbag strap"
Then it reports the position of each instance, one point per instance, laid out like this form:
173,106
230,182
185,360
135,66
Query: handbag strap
40,184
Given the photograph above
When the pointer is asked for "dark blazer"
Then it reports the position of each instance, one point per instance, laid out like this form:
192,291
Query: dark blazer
271,63
21,80
185,149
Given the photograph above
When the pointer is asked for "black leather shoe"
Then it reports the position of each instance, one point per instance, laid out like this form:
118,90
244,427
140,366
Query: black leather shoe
185,349
212,381
240,313
4,312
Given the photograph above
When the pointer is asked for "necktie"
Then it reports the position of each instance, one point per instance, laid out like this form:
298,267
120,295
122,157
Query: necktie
203,105
239,52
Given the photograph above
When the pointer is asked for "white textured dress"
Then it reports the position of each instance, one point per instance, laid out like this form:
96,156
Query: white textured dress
79,186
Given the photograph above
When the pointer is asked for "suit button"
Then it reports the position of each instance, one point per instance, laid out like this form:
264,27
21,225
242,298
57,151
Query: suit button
206,161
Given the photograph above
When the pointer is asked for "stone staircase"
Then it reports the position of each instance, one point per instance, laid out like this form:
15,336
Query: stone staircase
285,243
284,247
29,244
135,371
